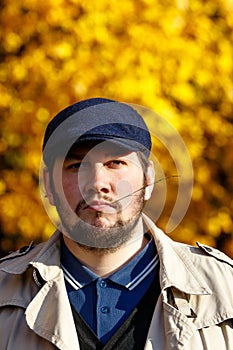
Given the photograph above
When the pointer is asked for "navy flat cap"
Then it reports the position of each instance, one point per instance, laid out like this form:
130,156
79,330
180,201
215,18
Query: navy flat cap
96,119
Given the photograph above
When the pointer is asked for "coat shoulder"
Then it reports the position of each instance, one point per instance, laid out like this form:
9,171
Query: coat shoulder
18,253
215,253
18,261
214,266
202,252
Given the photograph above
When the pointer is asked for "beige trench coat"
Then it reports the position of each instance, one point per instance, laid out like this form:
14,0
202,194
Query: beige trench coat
194,310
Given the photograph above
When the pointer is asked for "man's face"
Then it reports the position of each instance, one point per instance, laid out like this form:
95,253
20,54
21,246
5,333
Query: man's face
99,194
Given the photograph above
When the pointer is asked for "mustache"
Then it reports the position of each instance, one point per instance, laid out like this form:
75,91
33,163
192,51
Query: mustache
90,197
116,204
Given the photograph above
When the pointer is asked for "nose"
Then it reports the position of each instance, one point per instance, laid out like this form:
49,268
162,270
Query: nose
98,180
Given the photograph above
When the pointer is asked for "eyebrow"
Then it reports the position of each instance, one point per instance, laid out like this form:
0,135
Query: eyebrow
76,156
80,155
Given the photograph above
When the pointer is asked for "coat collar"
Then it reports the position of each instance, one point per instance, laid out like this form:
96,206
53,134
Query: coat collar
53,325
176,268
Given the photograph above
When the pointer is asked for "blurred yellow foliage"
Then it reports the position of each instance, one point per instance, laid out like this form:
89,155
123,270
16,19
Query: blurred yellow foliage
175,57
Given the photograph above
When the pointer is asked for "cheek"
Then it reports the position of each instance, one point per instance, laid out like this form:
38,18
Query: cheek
70,189
130,185
124,191
128,190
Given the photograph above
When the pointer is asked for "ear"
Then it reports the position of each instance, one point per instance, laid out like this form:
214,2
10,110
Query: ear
150,179
47,185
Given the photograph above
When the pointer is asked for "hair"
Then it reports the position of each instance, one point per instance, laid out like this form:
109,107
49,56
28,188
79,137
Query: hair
144,161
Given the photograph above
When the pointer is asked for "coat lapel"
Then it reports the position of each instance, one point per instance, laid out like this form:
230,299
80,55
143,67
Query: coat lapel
173,321
49,315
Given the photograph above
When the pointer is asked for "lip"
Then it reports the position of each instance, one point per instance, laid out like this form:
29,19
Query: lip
99,206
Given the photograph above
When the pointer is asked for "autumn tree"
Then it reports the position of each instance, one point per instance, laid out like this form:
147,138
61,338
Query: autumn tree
174,57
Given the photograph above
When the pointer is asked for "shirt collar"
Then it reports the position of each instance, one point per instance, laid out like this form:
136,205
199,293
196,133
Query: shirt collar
75,273
129,276
138,268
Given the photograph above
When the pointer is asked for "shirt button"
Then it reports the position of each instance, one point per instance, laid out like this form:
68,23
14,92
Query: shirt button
104,309
103,284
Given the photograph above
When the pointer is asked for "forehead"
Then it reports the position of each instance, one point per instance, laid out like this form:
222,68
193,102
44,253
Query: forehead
105,148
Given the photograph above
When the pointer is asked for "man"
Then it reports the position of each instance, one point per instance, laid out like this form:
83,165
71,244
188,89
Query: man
109,278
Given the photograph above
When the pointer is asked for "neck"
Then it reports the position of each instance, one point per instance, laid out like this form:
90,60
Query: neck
103,262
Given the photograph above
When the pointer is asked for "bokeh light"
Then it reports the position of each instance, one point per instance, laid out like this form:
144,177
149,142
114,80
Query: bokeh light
175,57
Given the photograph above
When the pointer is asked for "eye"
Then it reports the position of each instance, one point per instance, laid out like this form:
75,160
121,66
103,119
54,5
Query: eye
116,164
77,165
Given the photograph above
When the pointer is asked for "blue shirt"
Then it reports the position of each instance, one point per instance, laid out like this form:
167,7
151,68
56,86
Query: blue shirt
105,303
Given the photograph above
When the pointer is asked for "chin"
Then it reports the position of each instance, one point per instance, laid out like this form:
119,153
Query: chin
100,221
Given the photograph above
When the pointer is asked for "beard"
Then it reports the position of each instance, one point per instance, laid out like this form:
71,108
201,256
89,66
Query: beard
97,236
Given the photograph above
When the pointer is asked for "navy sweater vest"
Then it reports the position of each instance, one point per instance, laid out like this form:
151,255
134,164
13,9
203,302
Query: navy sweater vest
132,333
